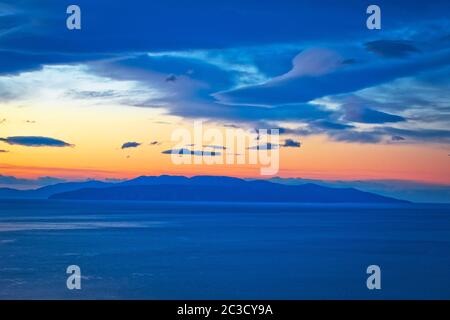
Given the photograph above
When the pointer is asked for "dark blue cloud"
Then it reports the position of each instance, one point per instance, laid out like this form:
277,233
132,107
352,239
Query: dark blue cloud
291,143
185,151
237,61
130,144
368,115
215,147
428,135
377,134
264,146
397,138
242,113
38,27
384,134
171,24
340,132
35,141
328,125
15,61
391,48
171,78
174,67
343,80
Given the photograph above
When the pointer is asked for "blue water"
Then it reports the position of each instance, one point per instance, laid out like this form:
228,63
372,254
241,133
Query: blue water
132,250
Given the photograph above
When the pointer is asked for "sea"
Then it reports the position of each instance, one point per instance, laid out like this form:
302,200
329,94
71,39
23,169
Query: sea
201,250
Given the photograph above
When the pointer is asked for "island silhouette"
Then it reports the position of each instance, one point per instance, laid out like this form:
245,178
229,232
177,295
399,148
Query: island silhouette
198,188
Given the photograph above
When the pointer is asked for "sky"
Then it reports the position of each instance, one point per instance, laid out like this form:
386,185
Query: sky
102,102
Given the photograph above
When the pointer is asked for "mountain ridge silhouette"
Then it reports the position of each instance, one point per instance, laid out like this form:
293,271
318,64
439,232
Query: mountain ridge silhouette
219,188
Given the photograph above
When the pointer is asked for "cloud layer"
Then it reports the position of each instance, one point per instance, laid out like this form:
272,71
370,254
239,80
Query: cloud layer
332,78
35,141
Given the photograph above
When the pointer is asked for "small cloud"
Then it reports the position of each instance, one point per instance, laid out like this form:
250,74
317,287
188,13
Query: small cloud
3,151
130,144
312,62
41,181
292,143
171,78
419,134
230,125
30,121
94,94
215,147
161,122
329,125
35,141
185,151
264,146
154,143
2,121
176,151
391,48
356,113
397,138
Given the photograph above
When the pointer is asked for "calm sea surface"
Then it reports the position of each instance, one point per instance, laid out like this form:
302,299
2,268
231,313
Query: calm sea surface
129,250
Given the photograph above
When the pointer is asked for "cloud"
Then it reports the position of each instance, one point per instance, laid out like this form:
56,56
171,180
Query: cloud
22,182
311,62
391,48
195,96
357,136
130,144
154,143
397,138
265,146
230,125
161,122
215,147
356,113
247,73
329,125
291,143
250,114
86,94
185,151
35,141
424,135
171,78
384,134
3,151
13,62
343,80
